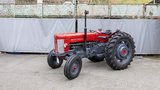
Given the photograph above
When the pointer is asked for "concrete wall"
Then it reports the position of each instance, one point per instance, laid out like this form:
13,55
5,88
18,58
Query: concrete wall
7,10
40,10
7,1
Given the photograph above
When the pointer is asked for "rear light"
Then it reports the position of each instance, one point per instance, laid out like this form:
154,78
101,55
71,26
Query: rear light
60,43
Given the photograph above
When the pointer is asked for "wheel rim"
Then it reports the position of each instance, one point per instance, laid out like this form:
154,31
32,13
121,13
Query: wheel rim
74,68
123,51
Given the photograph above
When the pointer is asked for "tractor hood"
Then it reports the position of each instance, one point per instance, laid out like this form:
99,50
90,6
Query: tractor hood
74,35
64,40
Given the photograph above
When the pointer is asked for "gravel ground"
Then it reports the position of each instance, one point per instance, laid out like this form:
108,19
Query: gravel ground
31,72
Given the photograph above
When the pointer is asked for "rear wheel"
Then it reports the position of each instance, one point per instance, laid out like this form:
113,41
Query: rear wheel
120,51
53,61
72,67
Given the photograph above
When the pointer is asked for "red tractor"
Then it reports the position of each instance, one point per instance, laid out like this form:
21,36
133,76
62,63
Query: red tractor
116,48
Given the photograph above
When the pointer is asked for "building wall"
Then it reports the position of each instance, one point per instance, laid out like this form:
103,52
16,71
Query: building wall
67,10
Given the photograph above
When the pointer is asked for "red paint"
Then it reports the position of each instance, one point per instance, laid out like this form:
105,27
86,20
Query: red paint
77,38
75,67
124,51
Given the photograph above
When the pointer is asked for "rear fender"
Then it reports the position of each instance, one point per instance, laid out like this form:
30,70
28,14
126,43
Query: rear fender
113,33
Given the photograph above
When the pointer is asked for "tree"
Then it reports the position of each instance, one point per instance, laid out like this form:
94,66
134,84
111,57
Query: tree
156,1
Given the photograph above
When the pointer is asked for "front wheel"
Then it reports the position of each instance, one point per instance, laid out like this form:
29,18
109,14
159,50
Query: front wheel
72,67
120,51
53,61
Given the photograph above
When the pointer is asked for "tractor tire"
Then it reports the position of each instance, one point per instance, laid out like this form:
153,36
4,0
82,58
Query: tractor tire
95,59
73,67
120,51
53,61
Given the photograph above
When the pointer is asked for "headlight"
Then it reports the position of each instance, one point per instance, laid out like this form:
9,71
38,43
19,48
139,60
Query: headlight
60,45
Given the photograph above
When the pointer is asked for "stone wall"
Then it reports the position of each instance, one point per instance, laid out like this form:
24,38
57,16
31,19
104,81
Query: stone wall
67,10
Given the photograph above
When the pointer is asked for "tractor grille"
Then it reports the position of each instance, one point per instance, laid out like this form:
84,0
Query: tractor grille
60,43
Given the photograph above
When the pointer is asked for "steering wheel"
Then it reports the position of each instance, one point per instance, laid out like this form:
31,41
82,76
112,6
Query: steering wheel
92,31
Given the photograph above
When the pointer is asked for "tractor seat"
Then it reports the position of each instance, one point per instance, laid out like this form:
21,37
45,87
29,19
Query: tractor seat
107,32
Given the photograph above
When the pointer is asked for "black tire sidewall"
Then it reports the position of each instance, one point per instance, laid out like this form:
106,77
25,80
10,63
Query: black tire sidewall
50,59
111,49
95,59
67,69
129,60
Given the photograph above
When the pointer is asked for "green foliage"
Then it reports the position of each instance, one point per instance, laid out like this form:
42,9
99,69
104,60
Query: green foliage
25,1
119,1
99,1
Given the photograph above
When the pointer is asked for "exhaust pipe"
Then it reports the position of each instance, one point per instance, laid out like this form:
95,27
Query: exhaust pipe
85,31
75,14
